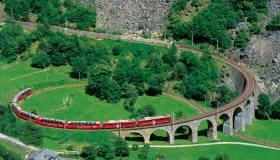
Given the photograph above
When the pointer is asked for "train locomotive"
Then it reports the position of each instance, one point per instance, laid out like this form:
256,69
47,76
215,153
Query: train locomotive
80,125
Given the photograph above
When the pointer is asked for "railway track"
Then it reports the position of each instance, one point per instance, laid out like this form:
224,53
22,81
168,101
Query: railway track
250,83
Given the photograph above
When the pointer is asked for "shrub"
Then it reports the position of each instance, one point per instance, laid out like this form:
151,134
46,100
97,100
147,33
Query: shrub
117,50
274,25
41,61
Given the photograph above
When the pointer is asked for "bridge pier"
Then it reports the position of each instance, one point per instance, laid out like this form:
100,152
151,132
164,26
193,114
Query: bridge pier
249,112
228,126
194,136
239,122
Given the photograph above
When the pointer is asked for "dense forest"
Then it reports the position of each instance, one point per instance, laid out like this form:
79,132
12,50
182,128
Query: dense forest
54,12
215,19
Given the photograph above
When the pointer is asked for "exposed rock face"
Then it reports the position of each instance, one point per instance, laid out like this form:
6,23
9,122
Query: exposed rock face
132,15
263,55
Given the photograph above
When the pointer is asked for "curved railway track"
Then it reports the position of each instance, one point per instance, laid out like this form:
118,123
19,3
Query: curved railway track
249,88
247,92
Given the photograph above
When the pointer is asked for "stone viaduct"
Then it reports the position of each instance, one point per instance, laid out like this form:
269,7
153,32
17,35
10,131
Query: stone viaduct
233,117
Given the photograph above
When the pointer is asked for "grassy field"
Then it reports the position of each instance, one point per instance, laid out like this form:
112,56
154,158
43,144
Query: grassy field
268,130
12,149
236,152
85,107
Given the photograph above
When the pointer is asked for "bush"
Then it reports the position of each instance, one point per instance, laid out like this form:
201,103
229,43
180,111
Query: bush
264,107
135,147
145,111
242,39
41,61
69,148
117,50
274,25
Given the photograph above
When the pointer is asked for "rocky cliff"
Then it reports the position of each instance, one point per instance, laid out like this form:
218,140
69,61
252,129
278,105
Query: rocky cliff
263,55
132,15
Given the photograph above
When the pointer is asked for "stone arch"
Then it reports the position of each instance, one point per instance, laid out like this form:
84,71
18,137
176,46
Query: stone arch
183,132
226,125
238,119
135,136
210,130
155,137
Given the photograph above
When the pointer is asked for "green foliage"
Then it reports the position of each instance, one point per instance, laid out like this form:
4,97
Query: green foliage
106,151
203,158
156,84
145,111
117,50
26,132
5,154
121,148
79,67
135,147
13,41
144,152
223,96
242,39
274,25
174,14
84,17
197,3
131,94
256,28
276,110
222,157
50,11
101,85
89,152
50,14
18,9
201,78
264,107
170,57
41,61
210,24
179,71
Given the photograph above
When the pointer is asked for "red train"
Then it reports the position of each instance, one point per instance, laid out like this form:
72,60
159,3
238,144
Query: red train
80,125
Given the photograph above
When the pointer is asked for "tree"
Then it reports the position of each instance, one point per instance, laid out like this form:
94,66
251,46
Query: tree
89,152
106,151
98,74
128,104
18,9
49,14
13,41
170,57
145,111
111,91
131,94
143,154
224,96
179,71
83,16
274,25
41,61
121,148
79,67
102,85
222,157
276,110
156,84
117,49
242,39
264,107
